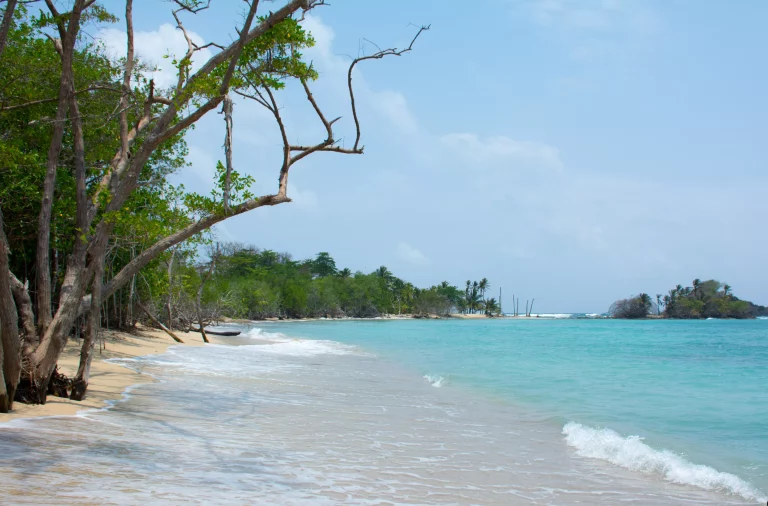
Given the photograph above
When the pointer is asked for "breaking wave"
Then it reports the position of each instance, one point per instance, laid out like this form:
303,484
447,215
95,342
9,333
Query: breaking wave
631,453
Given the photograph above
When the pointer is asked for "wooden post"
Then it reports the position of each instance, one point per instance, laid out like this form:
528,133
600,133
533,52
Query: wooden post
531,310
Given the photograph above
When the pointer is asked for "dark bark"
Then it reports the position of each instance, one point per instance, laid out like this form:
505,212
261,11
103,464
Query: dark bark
80,381
10,345
6,24
230,333
200,297
26,313
66,93
169,302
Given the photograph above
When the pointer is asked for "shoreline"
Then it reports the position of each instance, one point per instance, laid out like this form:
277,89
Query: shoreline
108,381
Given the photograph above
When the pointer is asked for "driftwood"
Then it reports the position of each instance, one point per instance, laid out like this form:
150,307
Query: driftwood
158,323
230,333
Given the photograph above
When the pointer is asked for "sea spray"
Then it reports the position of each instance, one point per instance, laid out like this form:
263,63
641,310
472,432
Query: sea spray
632,453
435,381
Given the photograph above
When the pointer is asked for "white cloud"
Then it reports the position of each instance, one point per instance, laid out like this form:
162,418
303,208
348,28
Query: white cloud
595,30
488,149
394,107
306,198
151,47
389,104
409,254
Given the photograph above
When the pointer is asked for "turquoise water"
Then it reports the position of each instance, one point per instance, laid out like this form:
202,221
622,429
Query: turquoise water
698,389
491,412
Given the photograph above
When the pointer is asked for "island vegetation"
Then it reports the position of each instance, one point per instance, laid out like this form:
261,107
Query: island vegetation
703,299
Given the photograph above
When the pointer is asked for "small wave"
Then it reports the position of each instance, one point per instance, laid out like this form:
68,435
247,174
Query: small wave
435,381
307,348
631,453
258,333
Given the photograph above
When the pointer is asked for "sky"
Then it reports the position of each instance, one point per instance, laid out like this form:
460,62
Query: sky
571,151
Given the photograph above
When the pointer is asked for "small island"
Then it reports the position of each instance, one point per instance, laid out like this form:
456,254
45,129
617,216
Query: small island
704,299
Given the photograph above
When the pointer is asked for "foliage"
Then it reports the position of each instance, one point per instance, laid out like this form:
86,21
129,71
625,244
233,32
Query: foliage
251,283
706,299
703,299
638,306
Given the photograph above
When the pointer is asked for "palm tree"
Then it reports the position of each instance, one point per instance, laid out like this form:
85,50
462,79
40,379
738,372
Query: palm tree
466,295
345,273
383,272
475,302
658,304
696,286
491,307
483,286
646,300
726,290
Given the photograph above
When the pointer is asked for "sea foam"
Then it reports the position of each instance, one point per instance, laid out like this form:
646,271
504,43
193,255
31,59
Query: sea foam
633,454
435,381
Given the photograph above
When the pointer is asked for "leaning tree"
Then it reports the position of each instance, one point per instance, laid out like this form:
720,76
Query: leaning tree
39,312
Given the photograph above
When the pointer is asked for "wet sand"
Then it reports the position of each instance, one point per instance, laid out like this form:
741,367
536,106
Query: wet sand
108,381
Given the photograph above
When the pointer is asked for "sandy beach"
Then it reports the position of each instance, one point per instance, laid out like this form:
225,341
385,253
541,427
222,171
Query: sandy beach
108,381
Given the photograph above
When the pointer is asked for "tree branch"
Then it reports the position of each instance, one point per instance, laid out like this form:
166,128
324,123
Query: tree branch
150,253
49,100
376,56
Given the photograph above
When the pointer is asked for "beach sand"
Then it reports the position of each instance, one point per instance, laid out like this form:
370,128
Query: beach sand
107,381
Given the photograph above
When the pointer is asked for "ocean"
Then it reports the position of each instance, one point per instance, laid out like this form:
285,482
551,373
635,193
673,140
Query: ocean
540,411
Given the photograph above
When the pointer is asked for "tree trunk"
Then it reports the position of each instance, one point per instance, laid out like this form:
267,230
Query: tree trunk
200,297
159,324
6,24
10,346
26,313
66,95
169,303
227,110
80,382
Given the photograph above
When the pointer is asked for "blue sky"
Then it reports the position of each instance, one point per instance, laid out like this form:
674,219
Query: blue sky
575,151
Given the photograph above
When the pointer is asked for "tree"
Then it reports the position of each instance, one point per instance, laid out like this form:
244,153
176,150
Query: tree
658,304
483,286
384,273
255,66
323,265
696,286
635,307
491,307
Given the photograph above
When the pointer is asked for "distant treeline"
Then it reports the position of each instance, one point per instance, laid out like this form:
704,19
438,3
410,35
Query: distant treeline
704,299
239,281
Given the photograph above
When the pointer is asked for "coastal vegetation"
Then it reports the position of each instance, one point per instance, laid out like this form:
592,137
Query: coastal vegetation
703,299
239,281
88,213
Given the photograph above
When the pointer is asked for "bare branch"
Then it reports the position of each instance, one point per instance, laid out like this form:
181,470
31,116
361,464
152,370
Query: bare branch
376,56
205,223
240,46
196,6
49,100
227,111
